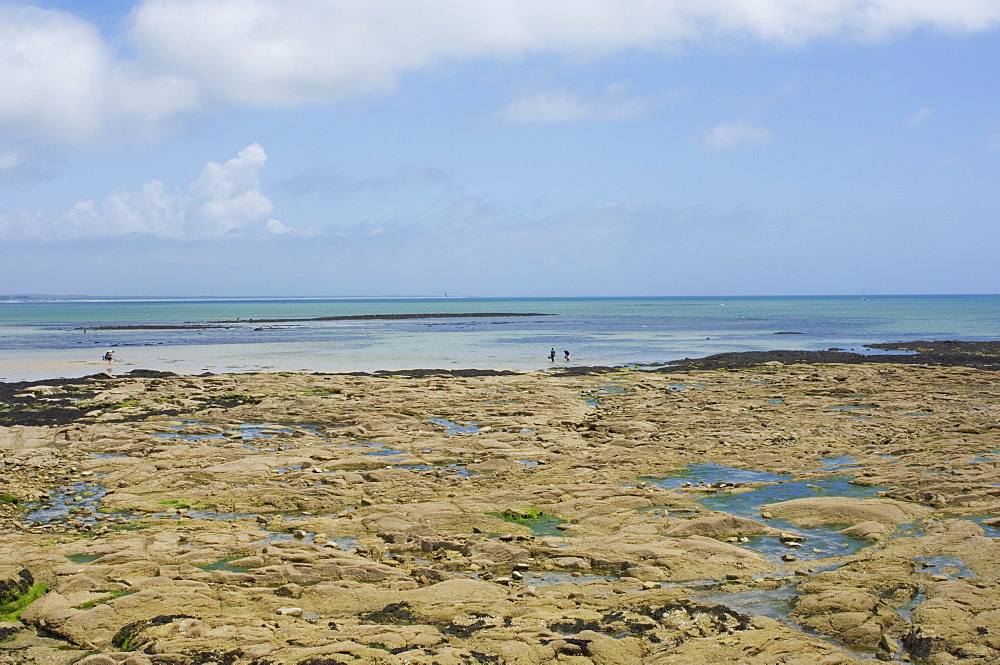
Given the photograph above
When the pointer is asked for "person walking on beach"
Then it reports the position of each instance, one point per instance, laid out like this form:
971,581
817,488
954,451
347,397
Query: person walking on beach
552,354
109,356
566,354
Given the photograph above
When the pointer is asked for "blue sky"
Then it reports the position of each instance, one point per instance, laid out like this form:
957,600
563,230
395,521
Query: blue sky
499,147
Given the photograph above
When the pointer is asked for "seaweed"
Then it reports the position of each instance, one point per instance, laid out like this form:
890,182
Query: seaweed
12,610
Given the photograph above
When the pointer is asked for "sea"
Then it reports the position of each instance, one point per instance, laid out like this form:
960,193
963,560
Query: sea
43,339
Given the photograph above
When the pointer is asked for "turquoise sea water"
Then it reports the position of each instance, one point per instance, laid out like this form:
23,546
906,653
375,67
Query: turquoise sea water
45,339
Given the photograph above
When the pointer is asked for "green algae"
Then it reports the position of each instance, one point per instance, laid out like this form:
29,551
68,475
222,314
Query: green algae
118,593
539,522
12,611
83,558
224,564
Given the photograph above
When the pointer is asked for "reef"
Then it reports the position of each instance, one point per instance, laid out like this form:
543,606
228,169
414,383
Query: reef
821,513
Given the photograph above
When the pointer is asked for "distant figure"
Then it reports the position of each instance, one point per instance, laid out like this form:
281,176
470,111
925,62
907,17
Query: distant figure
109,356
552,355
566,353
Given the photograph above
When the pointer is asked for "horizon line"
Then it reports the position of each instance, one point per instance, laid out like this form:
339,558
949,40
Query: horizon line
52,298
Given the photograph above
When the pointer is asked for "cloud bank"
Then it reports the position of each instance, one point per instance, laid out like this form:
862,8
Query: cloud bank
224,200
66,84
600,250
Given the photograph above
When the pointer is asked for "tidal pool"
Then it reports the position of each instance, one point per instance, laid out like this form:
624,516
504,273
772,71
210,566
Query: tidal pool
63,504
774,603
747,504
454,428
549,578
906,611
820,542
387,453
592,397
840,464
709,473
951,567
992,530
242,432
457,469
541,524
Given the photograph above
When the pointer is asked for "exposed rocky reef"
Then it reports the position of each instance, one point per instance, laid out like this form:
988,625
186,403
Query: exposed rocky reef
778,513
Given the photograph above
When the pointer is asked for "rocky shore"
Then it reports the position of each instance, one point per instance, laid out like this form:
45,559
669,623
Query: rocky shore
760,512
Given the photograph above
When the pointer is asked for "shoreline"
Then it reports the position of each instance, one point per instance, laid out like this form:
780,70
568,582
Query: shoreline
18,400
983,355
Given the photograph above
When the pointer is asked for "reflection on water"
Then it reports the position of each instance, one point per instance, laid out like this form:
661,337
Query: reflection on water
819,542
747,504
769,602
843,460
548,578
196,430
454,428
710,474
597,331
81,500
457,469
906,611
840,464
951,567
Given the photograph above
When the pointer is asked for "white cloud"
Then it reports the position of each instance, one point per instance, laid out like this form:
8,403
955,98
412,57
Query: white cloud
62,83
272,52
919,117
276,227
65,84
572,106
735,135
225,199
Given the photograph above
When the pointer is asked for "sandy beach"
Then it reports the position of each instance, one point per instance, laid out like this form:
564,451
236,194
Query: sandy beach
757,512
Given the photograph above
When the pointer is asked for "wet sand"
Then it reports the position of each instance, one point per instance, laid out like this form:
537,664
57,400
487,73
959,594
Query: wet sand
719,513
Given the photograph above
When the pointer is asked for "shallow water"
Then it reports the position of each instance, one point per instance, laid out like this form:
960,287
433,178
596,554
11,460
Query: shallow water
906,611
46,339
63,501
454,428
819,542
549,578
456,469
709,473
541,526
251,435
773,603
747,504
949,566
993,531
387,453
